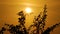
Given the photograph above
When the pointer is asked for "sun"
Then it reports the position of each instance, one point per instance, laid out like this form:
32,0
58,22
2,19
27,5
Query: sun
28,10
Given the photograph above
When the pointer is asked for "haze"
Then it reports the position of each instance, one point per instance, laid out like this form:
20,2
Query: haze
10,8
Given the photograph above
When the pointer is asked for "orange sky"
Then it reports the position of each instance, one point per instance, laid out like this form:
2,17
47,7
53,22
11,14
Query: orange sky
10,8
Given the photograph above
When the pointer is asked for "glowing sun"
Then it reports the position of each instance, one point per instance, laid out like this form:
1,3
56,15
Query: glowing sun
28,10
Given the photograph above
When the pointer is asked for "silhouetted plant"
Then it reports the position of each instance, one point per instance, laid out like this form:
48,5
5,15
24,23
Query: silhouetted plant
49,29
38,24
18,29
2,30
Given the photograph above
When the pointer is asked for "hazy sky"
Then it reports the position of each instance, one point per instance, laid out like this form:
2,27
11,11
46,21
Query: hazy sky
10,8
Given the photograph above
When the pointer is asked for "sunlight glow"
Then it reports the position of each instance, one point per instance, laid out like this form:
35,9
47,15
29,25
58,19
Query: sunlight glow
28,10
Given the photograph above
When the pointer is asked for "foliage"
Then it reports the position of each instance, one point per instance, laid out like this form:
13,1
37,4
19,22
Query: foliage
38,24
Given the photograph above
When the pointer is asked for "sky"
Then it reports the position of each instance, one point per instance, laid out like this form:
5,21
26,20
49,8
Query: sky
10,8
